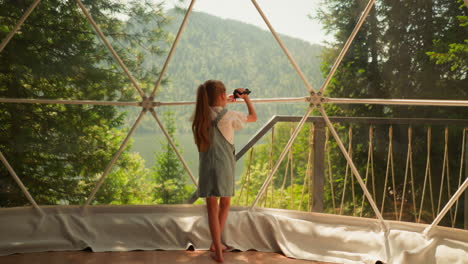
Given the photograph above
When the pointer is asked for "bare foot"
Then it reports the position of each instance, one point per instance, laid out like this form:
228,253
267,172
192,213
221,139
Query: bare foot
216,257
212,247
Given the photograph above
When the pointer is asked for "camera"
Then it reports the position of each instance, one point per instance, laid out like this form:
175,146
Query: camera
236,93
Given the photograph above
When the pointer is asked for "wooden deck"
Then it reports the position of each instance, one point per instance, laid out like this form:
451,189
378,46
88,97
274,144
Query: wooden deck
153,257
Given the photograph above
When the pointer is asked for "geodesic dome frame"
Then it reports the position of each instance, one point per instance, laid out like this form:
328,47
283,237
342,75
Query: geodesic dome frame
315,99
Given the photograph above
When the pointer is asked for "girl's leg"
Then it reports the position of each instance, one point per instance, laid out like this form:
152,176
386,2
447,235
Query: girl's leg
224,205
213,222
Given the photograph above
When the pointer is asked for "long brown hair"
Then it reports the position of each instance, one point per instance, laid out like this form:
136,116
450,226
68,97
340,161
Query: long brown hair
207,94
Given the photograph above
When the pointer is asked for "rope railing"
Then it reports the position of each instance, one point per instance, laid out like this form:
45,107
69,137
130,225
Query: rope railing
350,151
369,165
408,169
409,201
270,167
445,174
389,168
428,176
281,157
307,175
462,162
246,181
270,163
289,169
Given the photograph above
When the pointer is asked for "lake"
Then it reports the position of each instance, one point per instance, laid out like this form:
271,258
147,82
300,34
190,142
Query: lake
147,144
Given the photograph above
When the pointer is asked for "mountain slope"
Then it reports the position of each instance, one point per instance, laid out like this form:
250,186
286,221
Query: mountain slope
241,55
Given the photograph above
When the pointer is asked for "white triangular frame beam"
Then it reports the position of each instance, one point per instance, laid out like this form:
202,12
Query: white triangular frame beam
173,47
110,48
20,183
19,24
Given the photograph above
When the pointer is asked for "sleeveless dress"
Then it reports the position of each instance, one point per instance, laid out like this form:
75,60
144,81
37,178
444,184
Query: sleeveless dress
217,164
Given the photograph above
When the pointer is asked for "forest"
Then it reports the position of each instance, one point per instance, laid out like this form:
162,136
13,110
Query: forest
405,50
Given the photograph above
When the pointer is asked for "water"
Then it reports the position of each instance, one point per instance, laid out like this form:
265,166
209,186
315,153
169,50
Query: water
147,144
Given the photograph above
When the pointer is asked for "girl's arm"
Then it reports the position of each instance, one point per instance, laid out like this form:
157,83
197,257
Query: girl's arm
252,117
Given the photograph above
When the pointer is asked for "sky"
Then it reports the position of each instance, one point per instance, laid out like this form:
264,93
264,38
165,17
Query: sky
289,17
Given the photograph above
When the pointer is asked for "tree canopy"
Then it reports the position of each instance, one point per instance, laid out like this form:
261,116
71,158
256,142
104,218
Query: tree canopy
59,151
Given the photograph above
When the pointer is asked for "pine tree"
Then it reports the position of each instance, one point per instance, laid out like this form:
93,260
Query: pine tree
167,173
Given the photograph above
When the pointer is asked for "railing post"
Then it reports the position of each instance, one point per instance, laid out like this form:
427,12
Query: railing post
318,175
466,176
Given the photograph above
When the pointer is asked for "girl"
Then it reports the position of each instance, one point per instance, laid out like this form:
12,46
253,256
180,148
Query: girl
213,128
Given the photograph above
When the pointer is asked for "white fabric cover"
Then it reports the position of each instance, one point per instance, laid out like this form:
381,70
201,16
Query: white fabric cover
312,236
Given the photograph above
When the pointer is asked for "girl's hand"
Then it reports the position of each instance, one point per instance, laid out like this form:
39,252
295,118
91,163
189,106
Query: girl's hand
252,116
243,96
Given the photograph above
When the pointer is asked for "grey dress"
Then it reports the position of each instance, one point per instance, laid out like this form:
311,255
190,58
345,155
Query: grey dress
217,164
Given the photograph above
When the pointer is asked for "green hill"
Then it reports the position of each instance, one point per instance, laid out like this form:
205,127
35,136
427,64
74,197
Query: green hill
239,54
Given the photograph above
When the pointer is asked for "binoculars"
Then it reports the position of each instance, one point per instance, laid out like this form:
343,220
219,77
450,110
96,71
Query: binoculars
236,93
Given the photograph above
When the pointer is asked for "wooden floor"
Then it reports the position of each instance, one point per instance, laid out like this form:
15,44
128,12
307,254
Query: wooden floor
153,257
